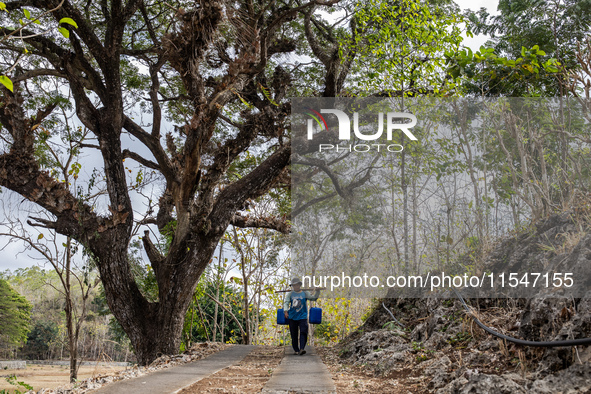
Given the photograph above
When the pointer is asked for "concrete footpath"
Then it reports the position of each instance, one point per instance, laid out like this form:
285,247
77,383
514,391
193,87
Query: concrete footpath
300,374
170,380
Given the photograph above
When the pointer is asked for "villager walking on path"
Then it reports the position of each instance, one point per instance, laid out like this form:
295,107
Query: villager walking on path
296,312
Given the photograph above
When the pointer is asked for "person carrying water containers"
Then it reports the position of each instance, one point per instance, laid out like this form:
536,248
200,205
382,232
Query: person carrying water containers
296,312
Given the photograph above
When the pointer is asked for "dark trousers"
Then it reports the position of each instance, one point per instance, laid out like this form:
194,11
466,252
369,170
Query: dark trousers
302,327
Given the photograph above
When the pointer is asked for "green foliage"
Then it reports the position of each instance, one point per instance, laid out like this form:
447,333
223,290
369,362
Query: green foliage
422,353
4,80
167,234
197,329
39,339
48,335
401,44
13,381
69,21
392,325
337,311
15,315
460,340
327,331
486,72
554,26
267,95
375,304
417,346
422,357
447,303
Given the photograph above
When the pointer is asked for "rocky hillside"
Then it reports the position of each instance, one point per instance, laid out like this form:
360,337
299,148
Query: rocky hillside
443,348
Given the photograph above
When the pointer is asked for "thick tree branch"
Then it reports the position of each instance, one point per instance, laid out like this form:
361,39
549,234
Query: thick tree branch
317,49
145,162
273,222
38,73
153,144
222,160
253,185
20,172
156,258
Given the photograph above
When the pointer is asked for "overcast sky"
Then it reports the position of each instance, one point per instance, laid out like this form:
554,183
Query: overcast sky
12,256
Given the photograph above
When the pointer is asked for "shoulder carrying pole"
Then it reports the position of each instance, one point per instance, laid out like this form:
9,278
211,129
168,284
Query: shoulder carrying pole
304,289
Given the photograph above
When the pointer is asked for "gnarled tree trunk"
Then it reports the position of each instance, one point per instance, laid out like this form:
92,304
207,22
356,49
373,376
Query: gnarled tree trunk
198,201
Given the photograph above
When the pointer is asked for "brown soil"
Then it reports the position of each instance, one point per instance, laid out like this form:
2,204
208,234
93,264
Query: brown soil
350,379
54,379
50,376
248,376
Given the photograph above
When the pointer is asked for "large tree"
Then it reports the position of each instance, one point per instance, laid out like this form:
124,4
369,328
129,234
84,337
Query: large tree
211,71
15,314
553,27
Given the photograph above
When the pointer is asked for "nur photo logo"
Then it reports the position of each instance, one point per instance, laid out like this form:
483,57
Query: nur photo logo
317,123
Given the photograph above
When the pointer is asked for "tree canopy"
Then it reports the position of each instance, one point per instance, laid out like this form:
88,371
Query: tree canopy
15,314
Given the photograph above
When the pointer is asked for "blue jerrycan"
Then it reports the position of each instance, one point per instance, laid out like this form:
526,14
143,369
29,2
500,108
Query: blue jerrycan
315,315
281,317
